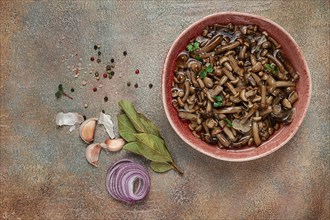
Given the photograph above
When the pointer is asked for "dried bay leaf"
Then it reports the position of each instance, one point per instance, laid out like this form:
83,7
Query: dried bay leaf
126,128
160,167
154,145
132,147
149,126
131,113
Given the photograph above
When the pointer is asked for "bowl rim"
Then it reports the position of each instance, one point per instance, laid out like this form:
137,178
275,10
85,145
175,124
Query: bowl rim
166,107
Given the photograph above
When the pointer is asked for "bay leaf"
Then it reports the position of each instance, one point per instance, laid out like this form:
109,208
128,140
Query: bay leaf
160,167
149,126
153,148
126,128
132,147
131,113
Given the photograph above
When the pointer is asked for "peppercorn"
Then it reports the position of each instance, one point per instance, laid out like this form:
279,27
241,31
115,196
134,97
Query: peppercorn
108,67
125,53
106,98
105,75
136,85
84,116
92,58
103,111
94,89
98,60
99,53
150,85
112,60
95,47
72,89
128,84
96,74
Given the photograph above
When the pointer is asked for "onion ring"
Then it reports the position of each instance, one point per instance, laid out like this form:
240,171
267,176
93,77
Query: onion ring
120,180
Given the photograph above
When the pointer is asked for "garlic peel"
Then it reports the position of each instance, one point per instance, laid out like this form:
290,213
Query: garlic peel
92,153
87,130
114,144
106,121
70,118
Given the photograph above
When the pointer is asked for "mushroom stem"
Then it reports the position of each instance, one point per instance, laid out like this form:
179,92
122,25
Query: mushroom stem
234,65
277,62
255,132
186,91
293,97
223,80
229,110
227,47
215,91
263,96
284,84
231,88
227,131
223,140
228,74
213,43
188,116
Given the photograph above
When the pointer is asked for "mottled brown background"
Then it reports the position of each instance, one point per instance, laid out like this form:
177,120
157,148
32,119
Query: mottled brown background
43,171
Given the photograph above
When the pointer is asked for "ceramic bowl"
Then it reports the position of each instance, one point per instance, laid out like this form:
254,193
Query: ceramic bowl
293,54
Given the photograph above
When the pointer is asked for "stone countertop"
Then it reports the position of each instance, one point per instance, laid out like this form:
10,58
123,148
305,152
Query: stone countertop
43,170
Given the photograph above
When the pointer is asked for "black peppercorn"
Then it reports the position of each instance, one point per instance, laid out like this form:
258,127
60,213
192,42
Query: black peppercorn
72,89
150,85
125,53
99,53
106,98
128,84
136,85
112,60
95,47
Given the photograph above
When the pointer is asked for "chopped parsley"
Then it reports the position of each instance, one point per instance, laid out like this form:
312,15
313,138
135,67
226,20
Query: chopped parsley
228,122
218,101
193,46
271,68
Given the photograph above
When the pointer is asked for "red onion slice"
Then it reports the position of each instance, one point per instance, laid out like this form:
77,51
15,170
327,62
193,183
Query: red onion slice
120,180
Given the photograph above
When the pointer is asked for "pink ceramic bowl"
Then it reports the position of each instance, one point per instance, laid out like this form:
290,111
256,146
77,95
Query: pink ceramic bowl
292,52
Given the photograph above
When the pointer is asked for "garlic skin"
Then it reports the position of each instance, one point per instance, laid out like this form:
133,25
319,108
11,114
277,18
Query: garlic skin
70,118
87,130
106,121
114,144
92,154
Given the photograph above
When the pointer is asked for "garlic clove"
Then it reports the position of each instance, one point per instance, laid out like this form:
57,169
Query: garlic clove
92,153
114,144
87,130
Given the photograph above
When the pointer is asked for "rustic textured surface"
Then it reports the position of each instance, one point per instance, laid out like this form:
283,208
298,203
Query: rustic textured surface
43,172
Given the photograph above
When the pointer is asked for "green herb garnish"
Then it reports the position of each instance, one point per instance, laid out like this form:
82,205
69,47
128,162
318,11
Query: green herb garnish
228,122
271,68
203,74
218,101
143,138
60,92
209,69
196,45
190,47
199,58
193,46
